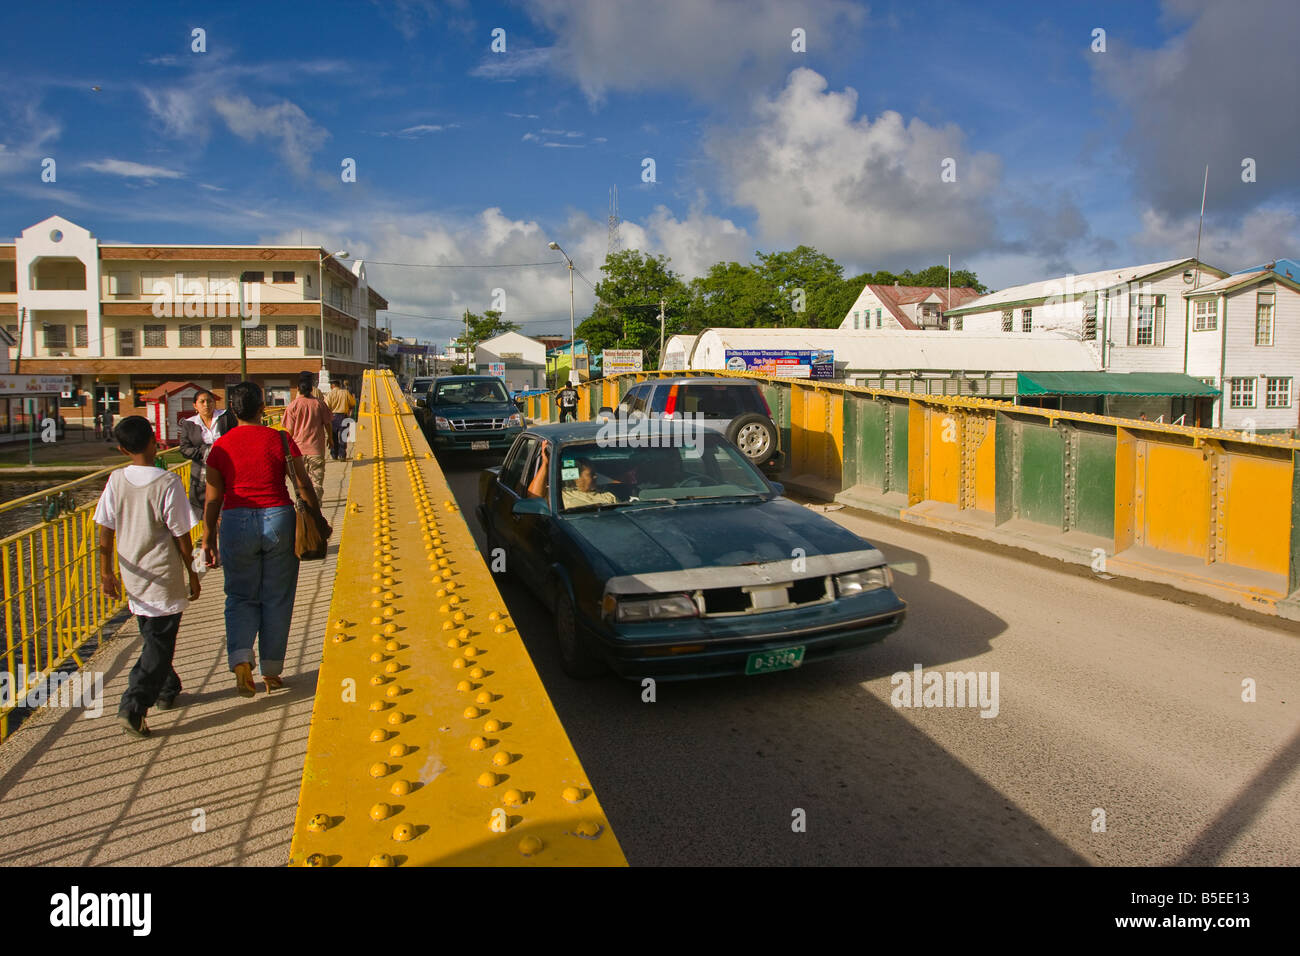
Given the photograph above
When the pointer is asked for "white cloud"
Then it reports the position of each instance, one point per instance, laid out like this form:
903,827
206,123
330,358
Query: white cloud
296,136
531,116
1267,233
121,167
712,48
859,190
513,64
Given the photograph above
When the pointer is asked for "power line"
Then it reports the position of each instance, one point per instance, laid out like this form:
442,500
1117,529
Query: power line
490,265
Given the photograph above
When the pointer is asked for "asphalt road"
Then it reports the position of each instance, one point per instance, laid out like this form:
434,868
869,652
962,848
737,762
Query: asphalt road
1117,707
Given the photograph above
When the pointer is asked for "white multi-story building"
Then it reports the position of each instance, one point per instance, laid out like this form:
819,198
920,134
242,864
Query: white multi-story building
124,319
1244,332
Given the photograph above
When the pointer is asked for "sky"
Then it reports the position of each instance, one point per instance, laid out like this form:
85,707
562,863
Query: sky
1026,140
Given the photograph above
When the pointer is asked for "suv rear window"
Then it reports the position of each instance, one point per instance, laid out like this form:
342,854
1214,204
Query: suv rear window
721,400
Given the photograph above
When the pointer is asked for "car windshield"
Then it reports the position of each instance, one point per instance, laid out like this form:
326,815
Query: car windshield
594,476
716,400
471,393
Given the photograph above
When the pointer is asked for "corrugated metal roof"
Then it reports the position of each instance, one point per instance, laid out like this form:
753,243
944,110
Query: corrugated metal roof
1085,282
1231,282
1113,383
905,350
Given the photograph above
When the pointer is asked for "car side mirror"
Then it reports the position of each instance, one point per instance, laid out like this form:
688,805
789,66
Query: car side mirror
421,403
531,506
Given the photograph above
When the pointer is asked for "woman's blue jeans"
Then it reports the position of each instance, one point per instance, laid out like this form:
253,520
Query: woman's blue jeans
261,571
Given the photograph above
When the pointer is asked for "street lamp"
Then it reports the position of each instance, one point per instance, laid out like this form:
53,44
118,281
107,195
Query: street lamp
573,345
324,375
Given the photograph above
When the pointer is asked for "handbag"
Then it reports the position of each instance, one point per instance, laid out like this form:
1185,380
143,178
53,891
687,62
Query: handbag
312,534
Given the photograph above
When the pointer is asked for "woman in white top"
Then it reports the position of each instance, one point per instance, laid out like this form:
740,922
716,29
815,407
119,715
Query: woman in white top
197,435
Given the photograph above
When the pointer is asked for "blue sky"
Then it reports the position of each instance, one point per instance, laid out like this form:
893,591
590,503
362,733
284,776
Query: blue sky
1067,158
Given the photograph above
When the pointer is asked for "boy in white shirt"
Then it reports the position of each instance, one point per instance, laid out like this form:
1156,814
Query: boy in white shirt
145,517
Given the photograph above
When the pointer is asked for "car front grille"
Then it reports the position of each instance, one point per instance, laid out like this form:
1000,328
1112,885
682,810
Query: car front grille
477,424
725,602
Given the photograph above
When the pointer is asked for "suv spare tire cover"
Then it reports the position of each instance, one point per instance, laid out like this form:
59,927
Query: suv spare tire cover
762,452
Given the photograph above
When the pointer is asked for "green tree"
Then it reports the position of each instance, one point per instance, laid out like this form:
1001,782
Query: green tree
626,314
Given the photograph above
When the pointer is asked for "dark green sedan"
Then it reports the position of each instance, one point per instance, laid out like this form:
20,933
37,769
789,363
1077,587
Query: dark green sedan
669,555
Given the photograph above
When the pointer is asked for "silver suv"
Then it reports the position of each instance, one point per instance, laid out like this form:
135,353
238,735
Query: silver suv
736,406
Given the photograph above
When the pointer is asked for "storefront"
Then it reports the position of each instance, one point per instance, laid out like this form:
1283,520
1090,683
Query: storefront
27,400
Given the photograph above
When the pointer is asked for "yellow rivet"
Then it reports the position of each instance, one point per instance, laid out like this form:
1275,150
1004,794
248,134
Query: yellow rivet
318,822
459,617
530,846
447,625
454,600
478,743
439,551
446,575
378,705
588,829
440,592
471,651
378,735
494,616
492,726
499,628
443,562
398,750
381,859
458,662
340,638
394,691
379,769
464,686
376,637
443,609
501,758
381,811
390,628
340,625
485,697
451,585
388,595
376,603
389,612
572,794
463,633
316,859
472,712
388,582
400,788
376,589
453,642
378,680
396,717
403,833
392,667
376,658
487,779
512,798
477,673
376,621
392,646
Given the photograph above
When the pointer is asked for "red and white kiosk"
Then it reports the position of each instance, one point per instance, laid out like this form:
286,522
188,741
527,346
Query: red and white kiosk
166,406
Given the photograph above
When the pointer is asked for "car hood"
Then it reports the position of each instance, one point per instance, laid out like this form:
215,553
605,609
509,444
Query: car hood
644,540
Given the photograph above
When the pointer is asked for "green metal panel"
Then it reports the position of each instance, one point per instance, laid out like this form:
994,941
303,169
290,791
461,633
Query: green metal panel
852,417
1042,474
1006,471
872,422
1096,483
898,425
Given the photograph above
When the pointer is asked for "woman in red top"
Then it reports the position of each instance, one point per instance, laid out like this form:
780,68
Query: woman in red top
246,490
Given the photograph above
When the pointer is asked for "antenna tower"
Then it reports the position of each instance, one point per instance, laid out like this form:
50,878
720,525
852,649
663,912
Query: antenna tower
614,244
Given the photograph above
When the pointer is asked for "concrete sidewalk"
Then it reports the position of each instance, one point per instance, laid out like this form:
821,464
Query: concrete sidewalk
217,783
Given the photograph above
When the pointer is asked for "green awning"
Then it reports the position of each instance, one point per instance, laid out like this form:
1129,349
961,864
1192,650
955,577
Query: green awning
1171,384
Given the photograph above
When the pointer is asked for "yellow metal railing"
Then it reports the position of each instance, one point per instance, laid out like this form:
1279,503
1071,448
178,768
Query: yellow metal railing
52,600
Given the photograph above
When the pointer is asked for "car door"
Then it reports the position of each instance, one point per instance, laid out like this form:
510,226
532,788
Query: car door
526,538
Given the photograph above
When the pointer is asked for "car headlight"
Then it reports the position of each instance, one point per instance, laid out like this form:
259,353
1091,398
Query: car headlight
859,582
440,422
515,421
659,607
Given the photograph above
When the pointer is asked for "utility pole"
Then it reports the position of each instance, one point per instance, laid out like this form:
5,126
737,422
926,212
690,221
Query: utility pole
1204,189
659,363
18,353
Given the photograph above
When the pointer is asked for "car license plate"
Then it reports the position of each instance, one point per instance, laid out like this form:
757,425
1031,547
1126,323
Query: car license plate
783,659
479,445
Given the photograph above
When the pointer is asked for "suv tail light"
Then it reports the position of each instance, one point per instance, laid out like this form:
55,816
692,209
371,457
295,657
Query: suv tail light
671,404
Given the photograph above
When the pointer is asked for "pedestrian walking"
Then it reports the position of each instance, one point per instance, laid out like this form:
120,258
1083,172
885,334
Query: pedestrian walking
143,517
341,403
198,432
246,491
568,402
309,422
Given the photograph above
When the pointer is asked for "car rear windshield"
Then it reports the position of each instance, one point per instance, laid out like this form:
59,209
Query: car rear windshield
465,393
720,400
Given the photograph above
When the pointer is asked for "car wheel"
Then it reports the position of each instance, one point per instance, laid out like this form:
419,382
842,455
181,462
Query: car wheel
575,657
754,435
